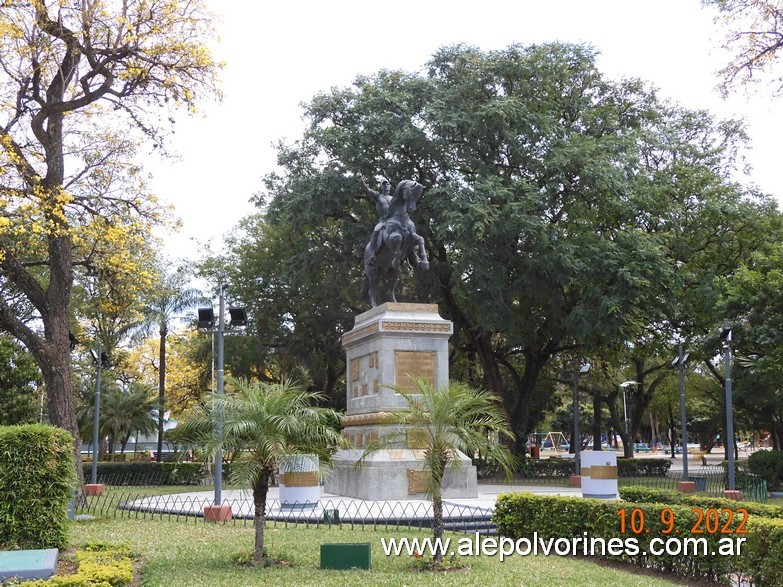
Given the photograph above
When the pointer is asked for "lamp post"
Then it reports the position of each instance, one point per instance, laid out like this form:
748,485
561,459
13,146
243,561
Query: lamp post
679,364
100,359
576,373
206,319
725,337
623,385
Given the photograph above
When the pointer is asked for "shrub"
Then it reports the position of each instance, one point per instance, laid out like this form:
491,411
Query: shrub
640,494
768,464
643,467
761,562
100,565
539,518
558,468
147,473
37,477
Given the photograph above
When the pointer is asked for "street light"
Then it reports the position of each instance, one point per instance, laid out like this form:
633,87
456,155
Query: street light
623,385
575,374
679,363
206,321
725,338
99,359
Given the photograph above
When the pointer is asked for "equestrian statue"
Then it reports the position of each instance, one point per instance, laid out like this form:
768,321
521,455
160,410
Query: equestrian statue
393,241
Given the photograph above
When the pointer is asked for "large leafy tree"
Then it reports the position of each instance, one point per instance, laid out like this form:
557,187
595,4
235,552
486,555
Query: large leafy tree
264,422
553,212
20,380
298,302
79,81
752,301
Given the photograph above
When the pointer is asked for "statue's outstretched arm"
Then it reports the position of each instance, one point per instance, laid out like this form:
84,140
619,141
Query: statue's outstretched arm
371,193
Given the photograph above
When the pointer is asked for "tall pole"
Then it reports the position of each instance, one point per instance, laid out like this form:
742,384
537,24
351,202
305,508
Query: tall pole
625,414
95,419
576,441
683,419
218,414
729,407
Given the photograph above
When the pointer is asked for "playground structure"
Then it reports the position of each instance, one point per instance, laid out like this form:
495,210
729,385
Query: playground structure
549,441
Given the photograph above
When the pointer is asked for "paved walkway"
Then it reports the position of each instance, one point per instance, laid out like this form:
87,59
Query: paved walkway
348,509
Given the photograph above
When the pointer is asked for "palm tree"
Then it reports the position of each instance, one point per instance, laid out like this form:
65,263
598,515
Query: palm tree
125,413
265,422
444,422
171,297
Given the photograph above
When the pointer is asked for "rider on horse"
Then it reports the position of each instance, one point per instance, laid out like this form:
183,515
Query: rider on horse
381,200
393,240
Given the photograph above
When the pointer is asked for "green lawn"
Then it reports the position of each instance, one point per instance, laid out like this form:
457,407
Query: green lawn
199,554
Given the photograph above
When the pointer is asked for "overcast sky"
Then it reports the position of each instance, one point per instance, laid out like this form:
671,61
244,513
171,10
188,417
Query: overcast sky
280,54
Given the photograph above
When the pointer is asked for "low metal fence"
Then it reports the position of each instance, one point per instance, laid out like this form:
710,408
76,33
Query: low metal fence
329,512
709,479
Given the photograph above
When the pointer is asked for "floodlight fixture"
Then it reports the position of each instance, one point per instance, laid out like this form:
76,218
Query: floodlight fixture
627,383
238,317
678,363
206,318
584,369
725,333
104,359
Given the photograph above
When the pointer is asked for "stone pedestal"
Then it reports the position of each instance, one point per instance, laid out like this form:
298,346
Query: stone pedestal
387,346
599,474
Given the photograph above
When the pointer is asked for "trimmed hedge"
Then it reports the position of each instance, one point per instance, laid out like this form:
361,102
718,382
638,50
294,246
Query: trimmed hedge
147,473
552,468
643,467
524,515
37,478
759,563
768,464
762,561
642,494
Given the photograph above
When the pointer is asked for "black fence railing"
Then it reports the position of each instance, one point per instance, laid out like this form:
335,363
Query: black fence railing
328,512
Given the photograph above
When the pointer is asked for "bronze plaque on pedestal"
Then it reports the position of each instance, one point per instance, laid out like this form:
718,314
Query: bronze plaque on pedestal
418,481
416,364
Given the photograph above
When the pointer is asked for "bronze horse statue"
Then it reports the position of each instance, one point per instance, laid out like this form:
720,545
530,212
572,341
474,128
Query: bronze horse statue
395,242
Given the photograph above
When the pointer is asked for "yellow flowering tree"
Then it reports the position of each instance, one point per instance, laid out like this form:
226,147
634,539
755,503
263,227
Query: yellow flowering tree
188,373
753,39
82,85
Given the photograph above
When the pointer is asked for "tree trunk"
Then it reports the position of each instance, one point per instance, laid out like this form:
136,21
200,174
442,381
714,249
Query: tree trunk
618,423
596,422
437,517
56,370
672,432
161,388
260,490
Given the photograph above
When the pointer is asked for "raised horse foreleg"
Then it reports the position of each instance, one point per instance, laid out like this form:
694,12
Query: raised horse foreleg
421,257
